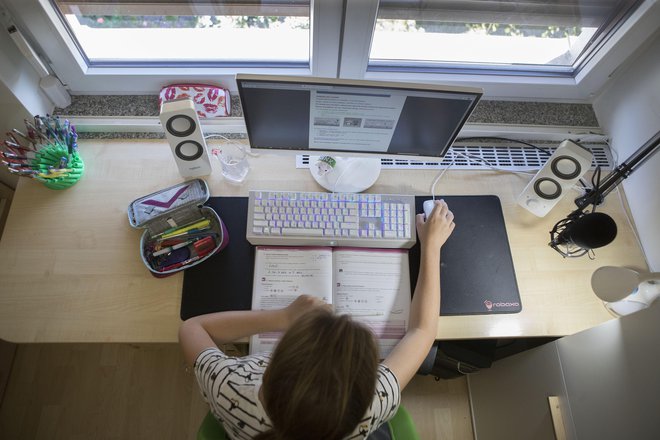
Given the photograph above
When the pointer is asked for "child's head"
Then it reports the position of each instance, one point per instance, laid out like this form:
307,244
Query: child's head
321,378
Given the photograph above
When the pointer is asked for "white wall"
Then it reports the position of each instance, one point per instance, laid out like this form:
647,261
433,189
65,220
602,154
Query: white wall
611,376
606,378
629,111
20,95
21,79
12,114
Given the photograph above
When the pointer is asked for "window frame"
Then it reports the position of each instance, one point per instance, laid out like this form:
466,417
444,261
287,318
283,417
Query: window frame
44,26
339,47
581,87
176,8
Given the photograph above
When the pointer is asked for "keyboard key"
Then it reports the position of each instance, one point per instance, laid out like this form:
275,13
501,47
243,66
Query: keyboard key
302,232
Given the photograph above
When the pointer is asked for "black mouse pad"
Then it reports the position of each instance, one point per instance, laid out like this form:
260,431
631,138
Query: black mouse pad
224,281
477,275
476,269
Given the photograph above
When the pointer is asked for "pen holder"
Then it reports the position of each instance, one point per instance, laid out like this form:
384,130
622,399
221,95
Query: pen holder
52,158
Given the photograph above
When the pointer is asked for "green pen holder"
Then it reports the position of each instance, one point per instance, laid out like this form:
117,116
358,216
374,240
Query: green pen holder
49,159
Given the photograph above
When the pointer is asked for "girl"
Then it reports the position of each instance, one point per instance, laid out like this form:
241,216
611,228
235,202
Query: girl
323,381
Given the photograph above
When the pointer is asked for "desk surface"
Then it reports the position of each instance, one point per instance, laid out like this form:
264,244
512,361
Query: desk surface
70,269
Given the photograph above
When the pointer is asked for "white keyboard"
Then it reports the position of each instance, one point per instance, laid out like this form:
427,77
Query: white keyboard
331,219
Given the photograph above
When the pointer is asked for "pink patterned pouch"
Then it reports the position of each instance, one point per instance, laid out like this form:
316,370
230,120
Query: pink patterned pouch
210,101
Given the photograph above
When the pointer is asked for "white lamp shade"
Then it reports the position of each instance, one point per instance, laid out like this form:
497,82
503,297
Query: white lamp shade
611,283
624,290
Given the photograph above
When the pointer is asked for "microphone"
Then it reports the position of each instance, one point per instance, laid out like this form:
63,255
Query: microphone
579,233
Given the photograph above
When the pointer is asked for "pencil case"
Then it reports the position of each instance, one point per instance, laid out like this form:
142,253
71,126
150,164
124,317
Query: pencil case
179,231
210,101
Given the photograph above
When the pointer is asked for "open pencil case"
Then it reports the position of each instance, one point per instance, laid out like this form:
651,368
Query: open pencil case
179,231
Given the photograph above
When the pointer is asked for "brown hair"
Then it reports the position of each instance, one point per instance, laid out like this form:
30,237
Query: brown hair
321,378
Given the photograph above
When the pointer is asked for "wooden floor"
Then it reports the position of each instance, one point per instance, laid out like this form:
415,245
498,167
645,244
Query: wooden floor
122,391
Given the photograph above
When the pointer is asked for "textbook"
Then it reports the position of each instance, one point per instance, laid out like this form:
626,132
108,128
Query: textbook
372,285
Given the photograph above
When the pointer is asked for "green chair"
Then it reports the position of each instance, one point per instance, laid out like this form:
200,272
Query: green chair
211,429
401,427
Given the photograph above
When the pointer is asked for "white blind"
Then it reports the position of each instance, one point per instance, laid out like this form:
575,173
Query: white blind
185,7
530,12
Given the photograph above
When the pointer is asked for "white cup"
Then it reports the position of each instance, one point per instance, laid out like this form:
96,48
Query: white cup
233,161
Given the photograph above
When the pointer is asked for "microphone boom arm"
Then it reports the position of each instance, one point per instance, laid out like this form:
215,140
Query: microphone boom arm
597,195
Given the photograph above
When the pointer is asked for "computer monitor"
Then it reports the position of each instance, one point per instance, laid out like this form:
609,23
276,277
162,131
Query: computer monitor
342,121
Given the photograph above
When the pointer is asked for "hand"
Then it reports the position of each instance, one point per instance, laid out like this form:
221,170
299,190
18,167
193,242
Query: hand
434,231
301,305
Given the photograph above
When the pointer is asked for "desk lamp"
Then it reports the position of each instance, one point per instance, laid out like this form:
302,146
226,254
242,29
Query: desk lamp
624,290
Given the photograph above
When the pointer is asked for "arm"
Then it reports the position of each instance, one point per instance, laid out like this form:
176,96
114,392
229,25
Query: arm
202,332
410,352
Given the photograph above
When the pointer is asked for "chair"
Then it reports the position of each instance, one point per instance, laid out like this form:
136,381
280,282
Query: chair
401,427
211,429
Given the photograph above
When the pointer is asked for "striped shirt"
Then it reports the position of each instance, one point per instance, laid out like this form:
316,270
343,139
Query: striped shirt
230,386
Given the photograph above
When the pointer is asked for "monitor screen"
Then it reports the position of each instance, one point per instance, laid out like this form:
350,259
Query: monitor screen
356,116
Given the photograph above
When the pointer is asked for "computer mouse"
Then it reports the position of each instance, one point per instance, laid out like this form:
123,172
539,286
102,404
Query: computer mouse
428,207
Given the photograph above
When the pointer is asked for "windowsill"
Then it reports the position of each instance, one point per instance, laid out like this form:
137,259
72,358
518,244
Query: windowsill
502,113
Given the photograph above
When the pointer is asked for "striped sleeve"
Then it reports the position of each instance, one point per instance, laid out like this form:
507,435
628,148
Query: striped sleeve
385,404
230,386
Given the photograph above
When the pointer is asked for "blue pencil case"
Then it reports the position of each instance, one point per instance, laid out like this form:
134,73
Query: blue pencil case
179,231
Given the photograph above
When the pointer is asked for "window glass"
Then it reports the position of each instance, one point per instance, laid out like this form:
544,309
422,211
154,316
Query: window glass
188,31
537,35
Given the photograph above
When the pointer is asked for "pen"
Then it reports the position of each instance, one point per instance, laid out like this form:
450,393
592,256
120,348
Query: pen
176,240
202,224
180,264
201,248
15,142
184,262
172,248
187,233
22,171
23,156
12,162
21,134
167,231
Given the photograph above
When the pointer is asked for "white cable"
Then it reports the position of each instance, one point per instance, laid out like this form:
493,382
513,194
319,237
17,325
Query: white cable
336,186
439,176
578,189
238,144
615,159
630,223
491,166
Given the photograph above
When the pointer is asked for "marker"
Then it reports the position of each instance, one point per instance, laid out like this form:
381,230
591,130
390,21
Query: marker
197,224
188,236
188,233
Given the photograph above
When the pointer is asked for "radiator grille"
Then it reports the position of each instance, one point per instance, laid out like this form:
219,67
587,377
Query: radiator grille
484,157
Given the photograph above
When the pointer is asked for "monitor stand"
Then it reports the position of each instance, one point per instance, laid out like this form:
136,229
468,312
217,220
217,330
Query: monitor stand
344,174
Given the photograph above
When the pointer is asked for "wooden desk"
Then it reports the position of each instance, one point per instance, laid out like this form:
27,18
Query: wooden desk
70,269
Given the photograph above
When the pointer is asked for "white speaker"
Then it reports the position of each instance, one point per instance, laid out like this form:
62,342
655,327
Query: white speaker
562,170
182,129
